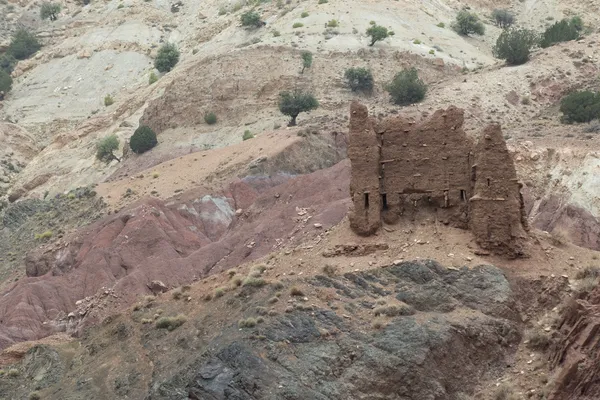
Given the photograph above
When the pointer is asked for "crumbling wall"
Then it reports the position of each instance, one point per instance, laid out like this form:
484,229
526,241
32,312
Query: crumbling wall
497,203
402,168
426,166
363,151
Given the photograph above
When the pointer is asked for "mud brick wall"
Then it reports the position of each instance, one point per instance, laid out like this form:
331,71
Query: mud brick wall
402,168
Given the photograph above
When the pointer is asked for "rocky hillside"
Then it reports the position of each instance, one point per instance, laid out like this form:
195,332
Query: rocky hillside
214,267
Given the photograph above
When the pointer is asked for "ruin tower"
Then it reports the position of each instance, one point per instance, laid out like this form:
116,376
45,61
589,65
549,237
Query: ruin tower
496,206
364,154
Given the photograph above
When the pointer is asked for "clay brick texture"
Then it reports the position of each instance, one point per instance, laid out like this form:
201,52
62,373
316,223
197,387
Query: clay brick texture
406,169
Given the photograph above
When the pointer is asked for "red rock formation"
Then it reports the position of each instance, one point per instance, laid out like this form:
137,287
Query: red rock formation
401,168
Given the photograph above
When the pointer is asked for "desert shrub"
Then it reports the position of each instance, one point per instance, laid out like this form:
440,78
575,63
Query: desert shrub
377,33
35,396
7,62
333,23
307,59
277,285
580,106
170,323
219,292
393,310
503,18
514,45
537,339
247,323
562,31
296,291
210,118
276,33
142,140
304,14
49,11
12,373
105,148
467,23
152,78
254,282
5,81
177,294
406,87
329,270
297,25
593,127
441,25
505,392
247,135
108,100
167,57
43,236
359,79
293,103
591,271
23,44
273,299
378,324
251,19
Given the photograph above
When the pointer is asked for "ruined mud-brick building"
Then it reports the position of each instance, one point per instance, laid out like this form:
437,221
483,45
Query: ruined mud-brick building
403,169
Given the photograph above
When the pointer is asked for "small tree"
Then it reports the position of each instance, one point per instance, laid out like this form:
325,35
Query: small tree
581,106
23,44
468,23
377,33
562,31
49,11
503,18
514,45
306,60
359,79
142,140
167,57
406,87
106,147
251,19
5,81
210,118
293,103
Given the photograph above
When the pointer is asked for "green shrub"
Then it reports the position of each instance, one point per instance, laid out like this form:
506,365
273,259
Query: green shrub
13,373
514,45
7,62
406,87
247,323
582,106
377,33
5,81
142,140
108,100
276,33
152,78
222,11
304,14
441,25
251,19
167,57
333,23
467,23
219,292
416,41
106,147
171,323
562,31
23,45
35,396
247,135
254,282
210,118
307,59
293,103
297,25
503,18
359,79
323,1
120,6
43,236
49,11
